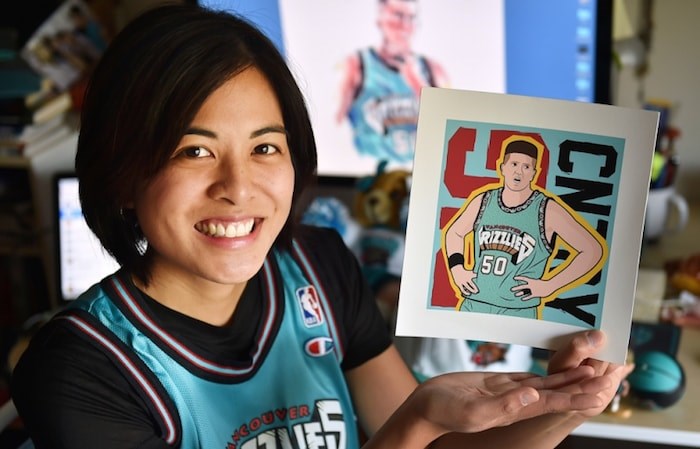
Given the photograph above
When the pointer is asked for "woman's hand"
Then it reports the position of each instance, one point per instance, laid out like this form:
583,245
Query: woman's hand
472,402
465,404
579,352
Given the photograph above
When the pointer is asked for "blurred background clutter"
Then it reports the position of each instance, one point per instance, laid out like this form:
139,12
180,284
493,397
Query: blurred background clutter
648,58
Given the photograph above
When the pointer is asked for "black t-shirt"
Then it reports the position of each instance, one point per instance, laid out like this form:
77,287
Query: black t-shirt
70,394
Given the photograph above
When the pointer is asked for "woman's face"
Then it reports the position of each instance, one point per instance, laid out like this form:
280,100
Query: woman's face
214,211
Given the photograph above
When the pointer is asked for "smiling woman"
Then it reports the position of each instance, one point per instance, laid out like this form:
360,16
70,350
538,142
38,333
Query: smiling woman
228,192
195,145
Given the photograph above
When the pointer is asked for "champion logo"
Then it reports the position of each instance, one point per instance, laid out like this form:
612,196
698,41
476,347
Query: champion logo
310,306
319,346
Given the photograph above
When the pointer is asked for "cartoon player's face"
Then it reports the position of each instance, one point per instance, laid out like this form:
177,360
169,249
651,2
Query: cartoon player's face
518,171
397,20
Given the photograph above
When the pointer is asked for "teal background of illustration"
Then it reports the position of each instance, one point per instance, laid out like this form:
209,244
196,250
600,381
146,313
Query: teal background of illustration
476,166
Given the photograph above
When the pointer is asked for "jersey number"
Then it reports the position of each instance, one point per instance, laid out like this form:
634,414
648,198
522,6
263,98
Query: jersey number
404,141
494,265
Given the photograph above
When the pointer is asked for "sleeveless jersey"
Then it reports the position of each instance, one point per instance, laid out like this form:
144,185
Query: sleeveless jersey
384,114
292,395
508,242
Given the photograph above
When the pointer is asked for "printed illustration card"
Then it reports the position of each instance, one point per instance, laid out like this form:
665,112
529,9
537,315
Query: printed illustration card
525,219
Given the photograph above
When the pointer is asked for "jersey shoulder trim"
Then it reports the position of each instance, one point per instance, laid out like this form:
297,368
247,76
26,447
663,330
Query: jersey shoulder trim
132,367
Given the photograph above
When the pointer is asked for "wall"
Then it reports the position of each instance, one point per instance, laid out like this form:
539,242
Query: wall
672,74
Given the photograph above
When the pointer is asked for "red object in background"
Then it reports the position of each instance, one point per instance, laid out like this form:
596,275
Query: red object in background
77,93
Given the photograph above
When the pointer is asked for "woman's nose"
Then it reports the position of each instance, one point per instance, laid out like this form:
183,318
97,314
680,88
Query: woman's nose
234,182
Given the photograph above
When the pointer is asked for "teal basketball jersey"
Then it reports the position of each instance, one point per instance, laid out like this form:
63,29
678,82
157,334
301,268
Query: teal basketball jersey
291,395
384,115
508,242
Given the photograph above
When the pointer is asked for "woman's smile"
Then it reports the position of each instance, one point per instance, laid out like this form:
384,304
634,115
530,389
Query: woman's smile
223,229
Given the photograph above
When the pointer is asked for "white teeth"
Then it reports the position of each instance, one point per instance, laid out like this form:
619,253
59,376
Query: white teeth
231,230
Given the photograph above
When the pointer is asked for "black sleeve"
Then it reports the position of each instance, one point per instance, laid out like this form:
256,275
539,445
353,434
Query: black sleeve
366,333
70,395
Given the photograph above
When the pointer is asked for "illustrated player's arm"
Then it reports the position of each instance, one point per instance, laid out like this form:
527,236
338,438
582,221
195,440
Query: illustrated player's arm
350,82
454,246
440,78
588,253
412,70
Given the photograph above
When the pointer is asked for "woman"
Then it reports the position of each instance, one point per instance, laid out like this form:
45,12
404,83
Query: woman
227,326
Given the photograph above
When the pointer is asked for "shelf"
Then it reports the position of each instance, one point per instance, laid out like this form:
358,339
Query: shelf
14,162
20,251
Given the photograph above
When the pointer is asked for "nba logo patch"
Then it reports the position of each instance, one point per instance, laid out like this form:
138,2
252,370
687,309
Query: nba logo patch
310,306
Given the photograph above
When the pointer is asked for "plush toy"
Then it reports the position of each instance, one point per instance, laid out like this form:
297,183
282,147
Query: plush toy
684,274
380,207
381,199
330,212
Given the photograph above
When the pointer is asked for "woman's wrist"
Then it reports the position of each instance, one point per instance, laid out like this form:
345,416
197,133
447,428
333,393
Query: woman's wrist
409,426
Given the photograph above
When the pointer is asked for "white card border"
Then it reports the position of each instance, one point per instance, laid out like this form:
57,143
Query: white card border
636,126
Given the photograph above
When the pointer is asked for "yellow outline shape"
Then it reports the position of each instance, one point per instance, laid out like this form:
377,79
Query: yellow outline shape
557,244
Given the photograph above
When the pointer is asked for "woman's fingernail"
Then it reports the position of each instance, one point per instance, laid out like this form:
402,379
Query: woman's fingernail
594,338
528,398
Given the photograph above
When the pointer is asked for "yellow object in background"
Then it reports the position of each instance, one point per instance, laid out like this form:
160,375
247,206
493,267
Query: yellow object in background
657,166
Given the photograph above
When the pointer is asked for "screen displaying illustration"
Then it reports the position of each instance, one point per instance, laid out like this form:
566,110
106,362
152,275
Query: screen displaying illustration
525,219
381,83
362,64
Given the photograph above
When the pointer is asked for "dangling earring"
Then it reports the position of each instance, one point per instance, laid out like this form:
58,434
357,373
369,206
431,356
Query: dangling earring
129,217
142,246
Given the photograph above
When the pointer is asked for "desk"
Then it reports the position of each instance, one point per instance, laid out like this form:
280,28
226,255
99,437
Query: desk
674,246
677,425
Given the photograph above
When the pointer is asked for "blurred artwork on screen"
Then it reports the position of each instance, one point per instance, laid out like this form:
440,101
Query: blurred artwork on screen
362,65
361,62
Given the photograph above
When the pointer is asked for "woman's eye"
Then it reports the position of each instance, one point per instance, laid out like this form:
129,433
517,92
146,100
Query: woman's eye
195,152
265,149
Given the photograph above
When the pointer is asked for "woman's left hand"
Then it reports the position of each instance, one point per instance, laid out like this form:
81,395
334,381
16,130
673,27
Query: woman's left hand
579,351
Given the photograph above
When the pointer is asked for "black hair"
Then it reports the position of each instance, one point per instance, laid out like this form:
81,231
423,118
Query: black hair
144,94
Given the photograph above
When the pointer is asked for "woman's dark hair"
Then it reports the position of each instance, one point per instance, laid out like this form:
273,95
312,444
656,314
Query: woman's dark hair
144,94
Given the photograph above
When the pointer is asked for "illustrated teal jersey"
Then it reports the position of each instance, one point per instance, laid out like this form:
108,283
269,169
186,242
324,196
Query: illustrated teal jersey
292,394
508,242
384,113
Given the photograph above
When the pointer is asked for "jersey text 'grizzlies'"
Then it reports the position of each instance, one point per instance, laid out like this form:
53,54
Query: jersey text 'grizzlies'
508,242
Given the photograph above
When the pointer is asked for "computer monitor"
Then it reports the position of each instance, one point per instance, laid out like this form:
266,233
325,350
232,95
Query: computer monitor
81,260
544,48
